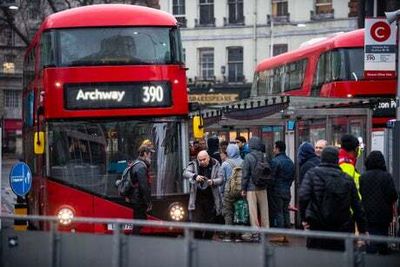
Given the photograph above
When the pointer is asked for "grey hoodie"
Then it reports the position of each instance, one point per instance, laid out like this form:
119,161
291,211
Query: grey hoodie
234,160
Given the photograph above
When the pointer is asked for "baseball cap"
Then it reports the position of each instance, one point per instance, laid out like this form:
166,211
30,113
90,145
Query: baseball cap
145,148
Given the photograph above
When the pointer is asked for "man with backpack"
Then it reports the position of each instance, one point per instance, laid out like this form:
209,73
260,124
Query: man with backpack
325,197
231,171
140,195
256,194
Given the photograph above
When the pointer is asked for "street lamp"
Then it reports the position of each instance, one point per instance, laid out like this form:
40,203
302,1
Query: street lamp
391,17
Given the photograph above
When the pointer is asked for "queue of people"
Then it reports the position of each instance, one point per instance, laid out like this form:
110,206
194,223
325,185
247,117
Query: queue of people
333,195
267,204
364,202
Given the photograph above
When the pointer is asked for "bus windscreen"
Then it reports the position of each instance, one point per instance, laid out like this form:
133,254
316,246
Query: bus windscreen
110,46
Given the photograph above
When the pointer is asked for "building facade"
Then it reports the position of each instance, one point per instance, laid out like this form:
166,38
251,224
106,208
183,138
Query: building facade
224,40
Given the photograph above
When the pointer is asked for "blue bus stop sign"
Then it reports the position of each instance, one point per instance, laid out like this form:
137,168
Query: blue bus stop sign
20,179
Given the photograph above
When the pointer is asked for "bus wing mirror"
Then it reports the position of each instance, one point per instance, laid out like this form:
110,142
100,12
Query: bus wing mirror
198,127
39,143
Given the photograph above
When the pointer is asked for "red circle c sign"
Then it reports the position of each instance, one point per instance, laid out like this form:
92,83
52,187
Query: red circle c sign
380,31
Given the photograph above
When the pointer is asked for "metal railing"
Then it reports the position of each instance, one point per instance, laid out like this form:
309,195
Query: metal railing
188,249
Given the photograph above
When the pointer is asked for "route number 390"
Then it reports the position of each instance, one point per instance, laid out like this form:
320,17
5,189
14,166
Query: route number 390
153,94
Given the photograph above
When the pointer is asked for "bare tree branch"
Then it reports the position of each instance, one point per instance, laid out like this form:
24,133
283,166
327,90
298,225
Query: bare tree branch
52,6
9,19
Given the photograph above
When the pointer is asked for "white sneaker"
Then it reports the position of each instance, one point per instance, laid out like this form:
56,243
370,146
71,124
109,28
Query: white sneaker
247,237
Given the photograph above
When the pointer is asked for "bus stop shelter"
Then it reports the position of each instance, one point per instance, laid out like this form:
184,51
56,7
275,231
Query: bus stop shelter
293,120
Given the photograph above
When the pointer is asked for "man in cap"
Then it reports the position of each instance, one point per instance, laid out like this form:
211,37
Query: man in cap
348,153
141,193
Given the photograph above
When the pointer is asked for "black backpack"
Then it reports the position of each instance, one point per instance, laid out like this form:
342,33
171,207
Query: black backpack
261,174
336,202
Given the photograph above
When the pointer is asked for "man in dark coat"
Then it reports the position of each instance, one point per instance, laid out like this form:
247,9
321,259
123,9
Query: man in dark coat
311,197
307,159
378,195
141,193
213,148
283,172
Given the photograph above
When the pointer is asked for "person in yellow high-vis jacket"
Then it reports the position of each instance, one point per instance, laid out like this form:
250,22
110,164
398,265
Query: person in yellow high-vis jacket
349,146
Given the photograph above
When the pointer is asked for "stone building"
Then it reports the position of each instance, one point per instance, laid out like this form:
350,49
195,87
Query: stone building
224,40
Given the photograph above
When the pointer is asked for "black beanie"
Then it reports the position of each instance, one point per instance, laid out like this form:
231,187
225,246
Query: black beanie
330,154
349,142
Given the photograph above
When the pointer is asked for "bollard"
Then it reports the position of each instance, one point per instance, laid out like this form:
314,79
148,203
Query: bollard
20,209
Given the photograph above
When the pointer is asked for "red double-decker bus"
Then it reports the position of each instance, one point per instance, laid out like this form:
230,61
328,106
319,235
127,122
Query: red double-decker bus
329,67
98,82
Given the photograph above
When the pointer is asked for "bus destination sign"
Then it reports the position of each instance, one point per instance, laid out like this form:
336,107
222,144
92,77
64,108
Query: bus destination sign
117,95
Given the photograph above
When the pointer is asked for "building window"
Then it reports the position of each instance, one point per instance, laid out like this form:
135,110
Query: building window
323,10
235,64
235,11
206,63
12,98
279,49
279,8
353,8
178,9
323,6
9,64
207,12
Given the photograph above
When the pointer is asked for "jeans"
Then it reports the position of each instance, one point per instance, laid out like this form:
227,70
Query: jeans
139,213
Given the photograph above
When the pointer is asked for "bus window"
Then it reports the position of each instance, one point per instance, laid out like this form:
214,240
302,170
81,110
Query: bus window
319,76
261,83
295,74
353,57
277,80
47,50
89,156
337,63
113,46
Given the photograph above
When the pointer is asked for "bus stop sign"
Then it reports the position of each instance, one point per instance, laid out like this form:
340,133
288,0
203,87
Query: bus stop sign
20,179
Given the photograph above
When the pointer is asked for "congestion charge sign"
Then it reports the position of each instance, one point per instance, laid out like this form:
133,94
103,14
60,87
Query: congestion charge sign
20,179
380,31
379,49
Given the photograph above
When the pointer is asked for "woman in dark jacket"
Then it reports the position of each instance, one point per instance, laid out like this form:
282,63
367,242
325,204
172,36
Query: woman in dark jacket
378,195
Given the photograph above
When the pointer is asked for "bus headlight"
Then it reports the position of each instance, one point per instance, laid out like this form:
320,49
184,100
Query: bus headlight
65,216
176,211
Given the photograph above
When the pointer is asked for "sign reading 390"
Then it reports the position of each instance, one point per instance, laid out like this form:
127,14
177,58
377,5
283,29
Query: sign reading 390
153,94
